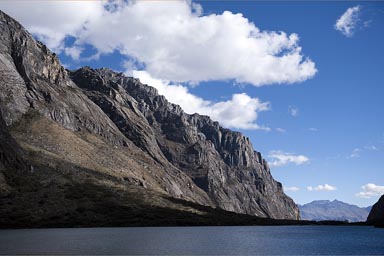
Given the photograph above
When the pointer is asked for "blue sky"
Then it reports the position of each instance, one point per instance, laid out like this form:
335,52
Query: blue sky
308,93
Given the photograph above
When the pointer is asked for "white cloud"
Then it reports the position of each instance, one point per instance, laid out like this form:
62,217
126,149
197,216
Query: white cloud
293,189
293,111
172,38
313,129
355,153
281,130
371,148
74,52
371,190
347,22
324,187
52,21
280,158
240,111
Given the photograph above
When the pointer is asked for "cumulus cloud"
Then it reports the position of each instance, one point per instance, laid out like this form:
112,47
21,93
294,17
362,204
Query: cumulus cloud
52,21
74,52
347,22
240,111
280,158
324,187
370,190
293,189
173,39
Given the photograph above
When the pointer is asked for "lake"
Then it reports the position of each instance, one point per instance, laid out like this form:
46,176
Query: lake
251,240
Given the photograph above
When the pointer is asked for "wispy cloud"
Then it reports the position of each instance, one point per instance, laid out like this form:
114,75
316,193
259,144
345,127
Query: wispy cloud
241,111
281,130
313,129
324,187
347,22
293,111
355,153
293,189
280,158
370,190
371,148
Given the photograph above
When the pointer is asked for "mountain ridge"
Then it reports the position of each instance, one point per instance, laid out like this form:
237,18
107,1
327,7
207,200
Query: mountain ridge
99,129
204,137
320,210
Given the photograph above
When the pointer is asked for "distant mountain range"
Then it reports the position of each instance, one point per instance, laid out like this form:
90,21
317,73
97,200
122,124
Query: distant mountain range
333,210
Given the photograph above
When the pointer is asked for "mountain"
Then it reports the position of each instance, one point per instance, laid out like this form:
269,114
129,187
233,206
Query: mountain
94,147
333,210
376,215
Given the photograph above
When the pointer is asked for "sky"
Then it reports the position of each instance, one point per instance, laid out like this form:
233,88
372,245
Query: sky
302,79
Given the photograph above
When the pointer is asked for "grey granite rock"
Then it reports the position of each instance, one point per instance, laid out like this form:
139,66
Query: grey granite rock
32,80
195,158
219,161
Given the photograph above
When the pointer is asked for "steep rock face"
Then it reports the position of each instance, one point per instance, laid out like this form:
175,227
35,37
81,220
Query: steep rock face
219,161
33,81
376,216
32,78
100,129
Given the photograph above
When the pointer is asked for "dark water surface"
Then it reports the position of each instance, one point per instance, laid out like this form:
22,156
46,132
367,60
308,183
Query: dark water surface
264,240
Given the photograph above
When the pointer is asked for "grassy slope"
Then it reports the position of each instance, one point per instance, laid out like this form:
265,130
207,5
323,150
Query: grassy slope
70,183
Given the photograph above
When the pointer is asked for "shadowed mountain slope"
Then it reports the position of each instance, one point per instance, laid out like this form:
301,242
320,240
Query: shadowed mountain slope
376,216
75,143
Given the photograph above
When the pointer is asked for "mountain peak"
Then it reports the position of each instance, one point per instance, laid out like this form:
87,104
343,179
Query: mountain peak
95,139
333,210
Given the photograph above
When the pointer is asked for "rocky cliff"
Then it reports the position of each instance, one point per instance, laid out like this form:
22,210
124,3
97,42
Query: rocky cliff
376,216
97,129
219,161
